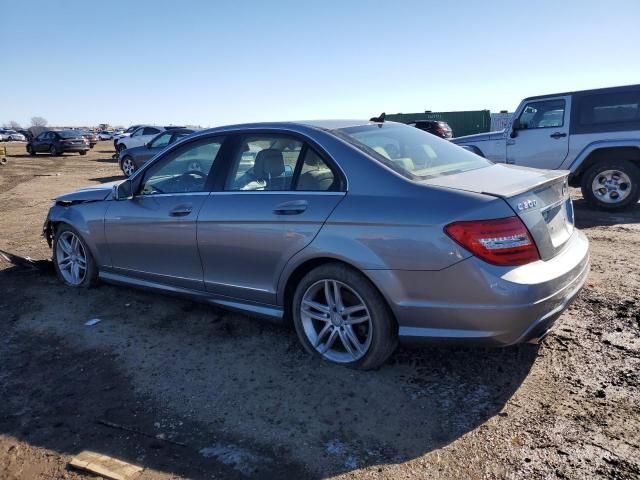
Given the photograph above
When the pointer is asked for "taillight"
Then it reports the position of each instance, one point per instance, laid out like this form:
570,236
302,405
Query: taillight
501,241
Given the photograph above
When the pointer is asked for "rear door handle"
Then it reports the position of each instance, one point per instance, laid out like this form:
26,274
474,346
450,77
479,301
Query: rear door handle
181,211
295,207
557,135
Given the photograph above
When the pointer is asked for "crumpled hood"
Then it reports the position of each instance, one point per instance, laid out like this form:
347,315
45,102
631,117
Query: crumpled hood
479,137
94,193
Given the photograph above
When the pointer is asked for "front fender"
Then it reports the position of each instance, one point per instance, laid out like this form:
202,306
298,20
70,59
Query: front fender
88,220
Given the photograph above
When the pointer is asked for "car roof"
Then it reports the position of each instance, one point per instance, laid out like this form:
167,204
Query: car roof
623,88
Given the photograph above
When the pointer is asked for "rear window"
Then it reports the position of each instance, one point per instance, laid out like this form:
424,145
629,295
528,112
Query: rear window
411,152
610,108
69,134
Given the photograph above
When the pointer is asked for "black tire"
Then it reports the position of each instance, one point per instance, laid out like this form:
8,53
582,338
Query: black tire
54,151
91,274
30,150
83,152
627,168
121,147
383,325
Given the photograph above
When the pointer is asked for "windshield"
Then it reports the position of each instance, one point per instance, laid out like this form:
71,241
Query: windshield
416,154
70,134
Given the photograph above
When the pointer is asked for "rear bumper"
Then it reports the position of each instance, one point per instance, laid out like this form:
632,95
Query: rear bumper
75,148
473,302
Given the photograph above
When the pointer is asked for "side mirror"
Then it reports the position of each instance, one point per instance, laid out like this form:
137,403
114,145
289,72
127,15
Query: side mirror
123,191
515,126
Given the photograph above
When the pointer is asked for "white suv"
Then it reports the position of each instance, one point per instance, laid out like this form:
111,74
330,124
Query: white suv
595,134
138,137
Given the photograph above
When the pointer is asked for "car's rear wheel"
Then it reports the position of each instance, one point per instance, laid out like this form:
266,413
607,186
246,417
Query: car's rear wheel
84,152
128,166
341,317
611,184
72,259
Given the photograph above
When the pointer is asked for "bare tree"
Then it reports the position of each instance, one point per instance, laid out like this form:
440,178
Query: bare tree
14,125
38,122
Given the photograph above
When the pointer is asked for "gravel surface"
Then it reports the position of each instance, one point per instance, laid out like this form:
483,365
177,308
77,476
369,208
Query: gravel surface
190,391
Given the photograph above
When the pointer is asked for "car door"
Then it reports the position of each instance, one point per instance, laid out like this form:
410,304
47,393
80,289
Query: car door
152,235
542,139
39,141
278,193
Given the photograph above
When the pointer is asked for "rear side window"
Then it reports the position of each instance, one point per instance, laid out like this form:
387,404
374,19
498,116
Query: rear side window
609,108
265,162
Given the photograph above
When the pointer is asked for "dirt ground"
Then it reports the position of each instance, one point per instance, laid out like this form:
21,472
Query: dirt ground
198,392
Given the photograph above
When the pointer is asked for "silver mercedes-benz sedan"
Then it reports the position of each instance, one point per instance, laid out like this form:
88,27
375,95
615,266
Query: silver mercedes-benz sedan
359,233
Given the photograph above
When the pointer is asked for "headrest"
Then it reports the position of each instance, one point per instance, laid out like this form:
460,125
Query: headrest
269,163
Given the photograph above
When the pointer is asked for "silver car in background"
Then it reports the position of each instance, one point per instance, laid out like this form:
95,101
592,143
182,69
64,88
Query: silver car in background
360,233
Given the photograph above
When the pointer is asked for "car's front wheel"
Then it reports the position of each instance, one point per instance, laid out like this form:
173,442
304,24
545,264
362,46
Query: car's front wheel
72,259
30,150
128,166
611,184
341,317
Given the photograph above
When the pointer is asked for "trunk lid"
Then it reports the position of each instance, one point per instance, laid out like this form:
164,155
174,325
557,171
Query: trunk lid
540,198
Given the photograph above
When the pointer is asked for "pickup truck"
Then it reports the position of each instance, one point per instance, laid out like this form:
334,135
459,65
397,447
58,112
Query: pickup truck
595,134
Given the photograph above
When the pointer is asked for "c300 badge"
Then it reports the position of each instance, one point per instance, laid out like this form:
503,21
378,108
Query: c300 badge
527,204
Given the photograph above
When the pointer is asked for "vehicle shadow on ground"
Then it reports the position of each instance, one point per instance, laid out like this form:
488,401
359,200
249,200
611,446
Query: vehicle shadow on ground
112,178
587,216
242,390
106,160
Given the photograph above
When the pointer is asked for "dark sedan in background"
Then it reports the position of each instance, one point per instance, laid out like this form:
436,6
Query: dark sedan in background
435,127
58,142
131,159
91,137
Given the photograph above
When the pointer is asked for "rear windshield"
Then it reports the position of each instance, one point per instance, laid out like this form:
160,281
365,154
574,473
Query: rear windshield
416,154
70,134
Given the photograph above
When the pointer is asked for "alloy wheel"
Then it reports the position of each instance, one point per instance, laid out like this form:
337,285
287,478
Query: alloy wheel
611,186
71,258
336,321
128,167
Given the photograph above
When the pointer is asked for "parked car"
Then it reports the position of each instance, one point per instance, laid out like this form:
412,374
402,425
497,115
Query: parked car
91,137
7,135
431,243
58,142
131,159
435,127
595,134
140,136
105,135
125,133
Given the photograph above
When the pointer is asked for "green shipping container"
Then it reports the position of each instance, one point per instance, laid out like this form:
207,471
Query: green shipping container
462,123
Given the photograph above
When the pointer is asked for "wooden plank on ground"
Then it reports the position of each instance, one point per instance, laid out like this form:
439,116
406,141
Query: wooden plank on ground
105,466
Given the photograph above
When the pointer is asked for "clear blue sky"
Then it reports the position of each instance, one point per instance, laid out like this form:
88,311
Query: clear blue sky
218,62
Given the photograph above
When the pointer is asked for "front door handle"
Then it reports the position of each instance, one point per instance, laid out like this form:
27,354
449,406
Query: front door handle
294,207
557,135
181,211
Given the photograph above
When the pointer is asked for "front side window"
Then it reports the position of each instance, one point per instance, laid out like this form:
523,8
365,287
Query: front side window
184,170
547,113
410,151
265,162
137,132
150,131
160,140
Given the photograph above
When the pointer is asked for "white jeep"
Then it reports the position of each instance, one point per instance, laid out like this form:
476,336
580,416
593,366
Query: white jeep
595,134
